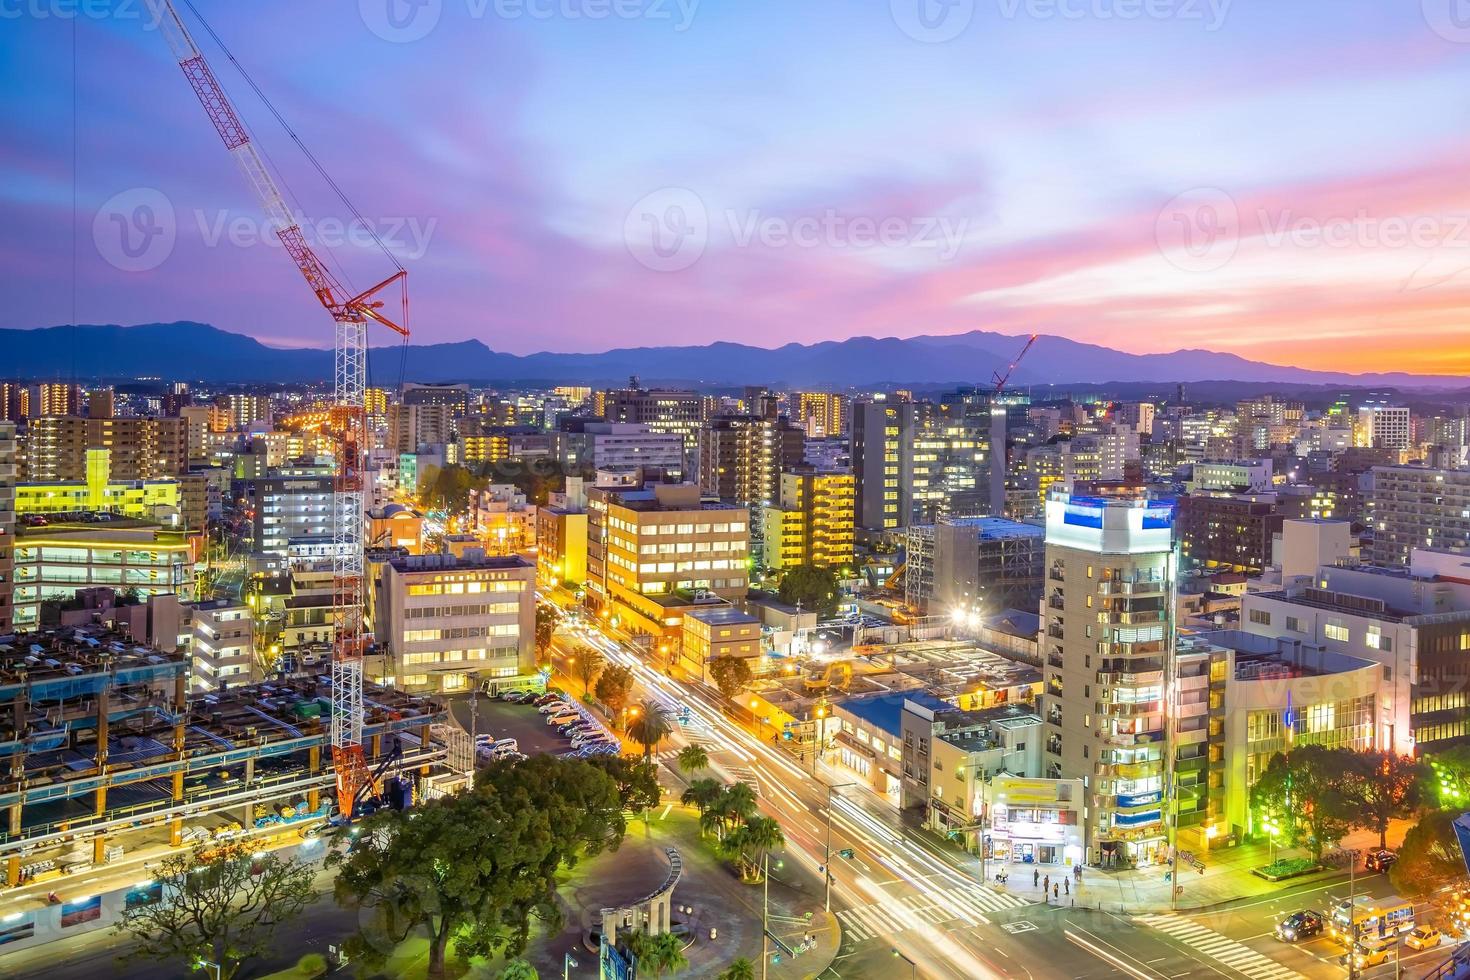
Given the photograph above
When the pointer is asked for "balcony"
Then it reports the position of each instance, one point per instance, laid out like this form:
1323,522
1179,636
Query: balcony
1132,587
1149,618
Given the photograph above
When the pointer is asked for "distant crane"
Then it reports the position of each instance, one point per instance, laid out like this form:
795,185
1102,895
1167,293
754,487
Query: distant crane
1001,379
351,314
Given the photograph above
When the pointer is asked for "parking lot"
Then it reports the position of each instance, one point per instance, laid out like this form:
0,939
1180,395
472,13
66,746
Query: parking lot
522,722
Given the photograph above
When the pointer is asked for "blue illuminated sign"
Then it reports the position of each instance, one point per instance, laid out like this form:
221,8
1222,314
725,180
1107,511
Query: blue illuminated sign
1141,799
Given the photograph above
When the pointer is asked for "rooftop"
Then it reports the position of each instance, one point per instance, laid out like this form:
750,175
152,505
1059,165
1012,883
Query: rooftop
723,615
470,561
885,711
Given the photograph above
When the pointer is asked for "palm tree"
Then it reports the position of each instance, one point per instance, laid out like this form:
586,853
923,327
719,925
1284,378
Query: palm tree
657,954
734,805
762,835
702,794
693,758
651,726
739,969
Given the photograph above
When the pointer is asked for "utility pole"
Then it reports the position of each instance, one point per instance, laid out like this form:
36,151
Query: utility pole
827,903
765,914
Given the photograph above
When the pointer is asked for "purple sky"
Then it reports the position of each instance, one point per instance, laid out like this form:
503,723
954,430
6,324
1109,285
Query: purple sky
1282,180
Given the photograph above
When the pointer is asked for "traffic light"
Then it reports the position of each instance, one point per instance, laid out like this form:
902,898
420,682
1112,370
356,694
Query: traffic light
847,852
786,735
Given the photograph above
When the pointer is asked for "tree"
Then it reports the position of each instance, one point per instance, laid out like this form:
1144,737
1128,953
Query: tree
657,954
1447,777
1304,792
750,842
519,970
651,727
476,866
220,906
546,620
702,794
731,674
613,686
693,758
739,969
1430,856
813,587
1383,786
590,662
636,779
735,804
446,488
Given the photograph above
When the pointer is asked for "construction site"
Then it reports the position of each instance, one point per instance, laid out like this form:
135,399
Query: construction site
111,763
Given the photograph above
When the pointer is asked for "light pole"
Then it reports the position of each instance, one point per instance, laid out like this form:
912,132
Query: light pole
567,964
827,903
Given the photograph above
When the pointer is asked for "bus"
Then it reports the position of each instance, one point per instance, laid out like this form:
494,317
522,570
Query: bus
1371,916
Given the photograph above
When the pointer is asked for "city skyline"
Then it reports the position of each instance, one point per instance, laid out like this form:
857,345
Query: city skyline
1323,219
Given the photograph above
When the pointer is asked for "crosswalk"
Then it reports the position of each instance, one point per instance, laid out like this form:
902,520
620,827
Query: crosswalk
967,906
1240,958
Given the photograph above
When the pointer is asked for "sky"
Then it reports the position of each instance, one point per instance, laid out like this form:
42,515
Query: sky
1283,180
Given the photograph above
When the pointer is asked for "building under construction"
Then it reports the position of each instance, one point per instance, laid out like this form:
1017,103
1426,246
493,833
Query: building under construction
107,750
976,564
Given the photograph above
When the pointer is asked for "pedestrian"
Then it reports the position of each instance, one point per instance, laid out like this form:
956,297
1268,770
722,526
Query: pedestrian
1046,885
1077,872
1035,877
1066,886
1054,890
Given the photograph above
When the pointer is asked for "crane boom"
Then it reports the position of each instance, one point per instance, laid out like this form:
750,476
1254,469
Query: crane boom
1002,379
351,315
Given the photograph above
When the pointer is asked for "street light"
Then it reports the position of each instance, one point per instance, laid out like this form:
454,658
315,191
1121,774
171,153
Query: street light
827,903
567,964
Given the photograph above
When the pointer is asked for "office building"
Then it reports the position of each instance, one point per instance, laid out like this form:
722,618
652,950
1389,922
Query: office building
589,444
1109,659
915,462
1139,416
1384,427
561,545
1414,507
717,631
1227,531
1231,475
486,445
813,521
149,500
662,410
443,621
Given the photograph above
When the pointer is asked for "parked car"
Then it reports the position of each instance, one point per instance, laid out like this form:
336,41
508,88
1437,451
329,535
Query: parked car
1299,925
562,719
1380,861
507,743
545,699
551,706
1423,937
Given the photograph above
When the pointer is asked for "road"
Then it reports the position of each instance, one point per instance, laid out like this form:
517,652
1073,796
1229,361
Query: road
910,905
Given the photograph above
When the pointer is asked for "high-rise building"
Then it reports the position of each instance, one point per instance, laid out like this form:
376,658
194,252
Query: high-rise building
1107,644
454,397
1414,507
1228,531
57,398
916,462
7,525
101,404
246,411
413,425
139,448
15,401
292,517
823,414
662,410
813,522
1384,427
375,405
583,444
741,457
1139,416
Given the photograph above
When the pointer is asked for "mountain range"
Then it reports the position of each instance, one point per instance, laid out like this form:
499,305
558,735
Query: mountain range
200,352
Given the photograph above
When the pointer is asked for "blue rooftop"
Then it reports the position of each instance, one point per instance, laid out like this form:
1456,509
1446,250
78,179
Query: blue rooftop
885,711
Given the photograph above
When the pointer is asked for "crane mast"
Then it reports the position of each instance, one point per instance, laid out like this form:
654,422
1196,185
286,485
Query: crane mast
351,315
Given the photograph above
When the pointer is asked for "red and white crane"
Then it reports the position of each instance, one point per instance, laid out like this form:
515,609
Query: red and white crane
351,314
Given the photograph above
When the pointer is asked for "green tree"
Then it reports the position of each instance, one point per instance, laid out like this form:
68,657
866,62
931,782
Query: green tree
657,955
546,620
693,758
750,842
478,866
731,674
702,794
446,488
813,587
1447,777
1305,793
1430,856
636,779
1383,786
734,805
590,662
220,906
651,727
739,969
613,687
519,970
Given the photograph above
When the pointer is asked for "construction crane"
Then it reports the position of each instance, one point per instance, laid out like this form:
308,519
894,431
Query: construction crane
1001,379
351,315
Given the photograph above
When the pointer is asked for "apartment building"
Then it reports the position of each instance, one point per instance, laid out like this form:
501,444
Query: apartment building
138,448
813,522
292,520
7,526
223,645
1385,427
822,414
1228,531
583,444
444,621
741,457
1415,507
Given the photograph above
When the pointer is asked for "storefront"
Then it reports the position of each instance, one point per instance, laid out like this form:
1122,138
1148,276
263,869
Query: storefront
1035,821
